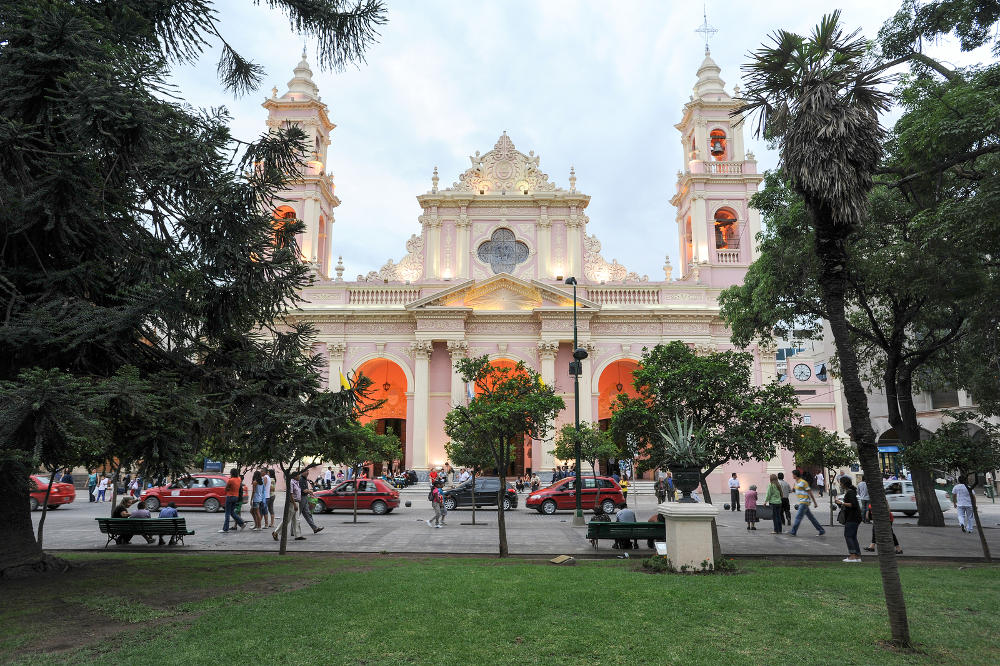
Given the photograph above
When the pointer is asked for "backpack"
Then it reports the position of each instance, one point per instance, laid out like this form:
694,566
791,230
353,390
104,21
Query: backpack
430,495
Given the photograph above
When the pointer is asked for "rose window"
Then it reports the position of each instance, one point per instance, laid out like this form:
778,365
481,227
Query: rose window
503,252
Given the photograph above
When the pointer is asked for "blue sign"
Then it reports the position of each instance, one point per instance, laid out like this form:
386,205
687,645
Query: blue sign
212,466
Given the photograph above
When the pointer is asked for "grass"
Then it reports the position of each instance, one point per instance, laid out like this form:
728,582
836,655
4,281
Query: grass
378,609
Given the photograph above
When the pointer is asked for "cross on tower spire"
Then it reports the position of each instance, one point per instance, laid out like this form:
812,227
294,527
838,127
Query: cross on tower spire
705,28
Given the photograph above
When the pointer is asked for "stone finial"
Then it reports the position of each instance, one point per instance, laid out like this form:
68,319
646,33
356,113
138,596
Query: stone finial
339,268
274,92
736,91
667,269
750,156
572,179
434,180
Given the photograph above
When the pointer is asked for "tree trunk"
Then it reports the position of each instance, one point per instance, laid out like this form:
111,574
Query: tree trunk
833,257
929,513
45,509
979,526
16,532
716,544
356,495
474,470
501,519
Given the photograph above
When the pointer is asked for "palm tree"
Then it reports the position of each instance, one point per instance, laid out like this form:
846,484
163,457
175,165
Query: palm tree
819,97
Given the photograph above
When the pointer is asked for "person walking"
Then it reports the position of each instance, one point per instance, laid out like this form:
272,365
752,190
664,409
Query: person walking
102,489
895,542
293,513
863,499
92,486
734,493
750,507
850,507
961,498
304,507
257,500
820,483
234,488
803,496
328,478
671,490
786,490
269,486
773,499
624,484
660,488
437,501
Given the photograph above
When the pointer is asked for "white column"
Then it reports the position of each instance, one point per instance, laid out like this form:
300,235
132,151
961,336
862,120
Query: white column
545,268
337,351
462,245
421,350
458,350
753,224
586,384
699,228
547,350
310,237
574,245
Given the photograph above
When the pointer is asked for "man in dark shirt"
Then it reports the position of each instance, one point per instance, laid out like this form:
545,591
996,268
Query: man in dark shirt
169,511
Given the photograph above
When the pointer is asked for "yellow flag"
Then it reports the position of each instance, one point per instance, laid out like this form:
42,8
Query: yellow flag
344,384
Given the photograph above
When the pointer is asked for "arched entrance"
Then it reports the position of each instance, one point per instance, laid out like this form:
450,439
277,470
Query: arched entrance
389,384
522,462
615,380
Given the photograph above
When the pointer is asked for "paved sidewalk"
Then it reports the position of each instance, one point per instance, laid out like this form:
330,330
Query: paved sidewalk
528,533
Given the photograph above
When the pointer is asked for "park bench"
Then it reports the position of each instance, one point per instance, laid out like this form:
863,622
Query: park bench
119,527
601,530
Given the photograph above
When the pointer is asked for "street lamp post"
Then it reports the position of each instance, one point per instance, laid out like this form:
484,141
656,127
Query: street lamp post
576,369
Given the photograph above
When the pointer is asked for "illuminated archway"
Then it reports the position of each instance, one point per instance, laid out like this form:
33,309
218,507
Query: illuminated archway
388,384
282,216
615,380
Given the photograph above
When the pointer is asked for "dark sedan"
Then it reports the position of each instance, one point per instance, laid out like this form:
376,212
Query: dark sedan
486,494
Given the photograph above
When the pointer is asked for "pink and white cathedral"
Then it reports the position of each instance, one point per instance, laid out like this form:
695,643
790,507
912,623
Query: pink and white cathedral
484,269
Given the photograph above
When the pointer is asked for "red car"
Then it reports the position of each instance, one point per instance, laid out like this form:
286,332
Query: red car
373,494
562,495
207,490
62,493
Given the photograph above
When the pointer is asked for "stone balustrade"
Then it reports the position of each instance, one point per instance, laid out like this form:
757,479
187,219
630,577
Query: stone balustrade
728,256
624,295
382,295
724,168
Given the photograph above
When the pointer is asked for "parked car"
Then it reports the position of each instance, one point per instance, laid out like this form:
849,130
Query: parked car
601,491
374,495
902,499
62,493
486,494
206,490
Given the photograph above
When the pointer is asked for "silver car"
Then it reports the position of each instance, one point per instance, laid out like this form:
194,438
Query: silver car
902,499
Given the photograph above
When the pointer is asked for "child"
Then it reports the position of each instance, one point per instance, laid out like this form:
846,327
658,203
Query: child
750,507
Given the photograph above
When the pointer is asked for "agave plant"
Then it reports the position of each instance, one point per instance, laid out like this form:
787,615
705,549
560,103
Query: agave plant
683,442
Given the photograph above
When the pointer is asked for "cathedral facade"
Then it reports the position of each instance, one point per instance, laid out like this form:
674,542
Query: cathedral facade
484,273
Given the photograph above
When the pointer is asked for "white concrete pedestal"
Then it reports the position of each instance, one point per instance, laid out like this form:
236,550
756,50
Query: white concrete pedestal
689,532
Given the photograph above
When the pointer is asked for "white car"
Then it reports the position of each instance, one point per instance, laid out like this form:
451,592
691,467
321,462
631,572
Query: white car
902,499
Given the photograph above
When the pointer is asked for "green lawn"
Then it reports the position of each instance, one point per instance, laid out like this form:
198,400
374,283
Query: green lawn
193,609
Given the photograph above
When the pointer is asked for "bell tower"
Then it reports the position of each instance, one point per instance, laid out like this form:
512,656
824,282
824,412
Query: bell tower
715,225
311,197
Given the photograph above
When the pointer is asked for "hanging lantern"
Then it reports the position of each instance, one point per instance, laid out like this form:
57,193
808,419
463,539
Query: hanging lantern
385,384
619,386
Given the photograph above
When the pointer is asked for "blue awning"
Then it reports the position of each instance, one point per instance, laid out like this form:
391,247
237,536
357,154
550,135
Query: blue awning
888,449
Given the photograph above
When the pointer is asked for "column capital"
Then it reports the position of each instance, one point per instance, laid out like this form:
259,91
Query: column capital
336,349
458,349
547,349
421,349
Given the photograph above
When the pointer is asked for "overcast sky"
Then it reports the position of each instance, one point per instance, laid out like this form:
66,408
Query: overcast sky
593,84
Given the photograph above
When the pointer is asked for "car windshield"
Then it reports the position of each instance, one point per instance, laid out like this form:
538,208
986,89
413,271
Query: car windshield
42,480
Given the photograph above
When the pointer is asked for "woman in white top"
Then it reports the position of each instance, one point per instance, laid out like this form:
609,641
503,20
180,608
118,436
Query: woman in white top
102,488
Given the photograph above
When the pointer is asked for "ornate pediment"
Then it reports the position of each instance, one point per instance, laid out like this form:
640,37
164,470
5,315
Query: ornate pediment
503,169
502,292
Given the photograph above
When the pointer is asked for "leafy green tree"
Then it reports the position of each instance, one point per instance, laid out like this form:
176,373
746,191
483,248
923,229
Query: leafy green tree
738,420
964,452
467,450
511,402
595,444
819,98
135,230
816,447
357,445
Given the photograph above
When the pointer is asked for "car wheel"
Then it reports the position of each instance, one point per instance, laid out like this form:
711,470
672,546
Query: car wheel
379,508
152,503
909,513
53,507
450,503
608,506
33,503
212,505
506,504
548,507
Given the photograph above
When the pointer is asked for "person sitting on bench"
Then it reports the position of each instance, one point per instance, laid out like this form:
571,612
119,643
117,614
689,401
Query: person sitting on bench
625,515
142,512
169,511
658,518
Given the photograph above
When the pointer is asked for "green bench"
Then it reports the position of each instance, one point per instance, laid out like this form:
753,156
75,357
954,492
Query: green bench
597,530
116,528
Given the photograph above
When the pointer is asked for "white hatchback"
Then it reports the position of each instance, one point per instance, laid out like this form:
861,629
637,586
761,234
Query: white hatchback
902,499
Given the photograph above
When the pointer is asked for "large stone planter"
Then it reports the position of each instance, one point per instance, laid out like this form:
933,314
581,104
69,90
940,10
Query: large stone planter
686,479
